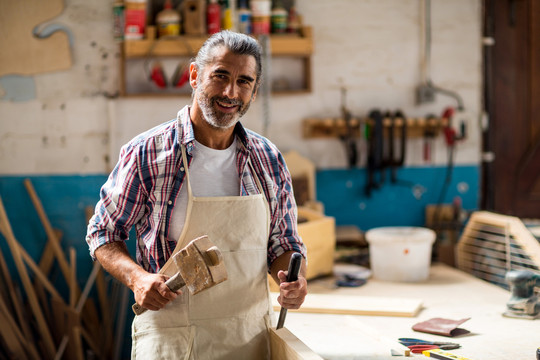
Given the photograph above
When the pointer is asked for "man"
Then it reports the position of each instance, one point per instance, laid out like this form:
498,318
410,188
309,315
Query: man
203,173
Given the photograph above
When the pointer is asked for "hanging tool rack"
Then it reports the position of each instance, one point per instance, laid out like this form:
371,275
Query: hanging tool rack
338,127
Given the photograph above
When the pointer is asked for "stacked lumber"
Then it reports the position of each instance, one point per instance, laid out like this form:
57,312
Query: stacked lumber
38,322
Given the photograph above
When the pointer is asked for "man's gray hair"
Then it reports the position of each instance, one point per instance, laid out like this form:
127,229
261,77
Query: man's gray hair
237,43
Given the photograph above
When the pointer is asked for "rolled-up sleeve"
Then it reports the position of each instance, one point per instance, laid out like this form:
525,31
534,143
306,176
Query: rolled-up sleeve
121,205
284,232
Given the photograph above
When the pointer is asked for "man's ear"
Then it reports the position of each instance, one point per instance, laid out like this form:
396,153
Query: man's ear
254,95
193,73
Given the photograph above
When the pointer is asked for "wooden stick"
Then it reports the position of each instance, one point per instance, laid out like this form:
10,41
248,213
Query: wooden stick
47,257
5,227
76,334
28,346
73,277
106,342
90,341
13,346
39,275
15,301
80,304
64,266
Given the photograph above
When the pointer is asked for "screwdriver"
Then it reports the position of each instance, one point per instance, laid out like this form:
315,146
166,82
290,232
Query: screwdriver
292,275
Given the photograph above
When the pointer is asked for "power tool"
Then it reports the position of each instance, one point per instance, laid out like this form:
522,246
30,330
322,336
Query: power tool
524,302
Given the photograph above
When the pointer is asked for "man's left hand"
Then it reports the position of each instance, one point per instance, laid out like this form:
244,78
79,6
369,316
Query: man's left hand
291,294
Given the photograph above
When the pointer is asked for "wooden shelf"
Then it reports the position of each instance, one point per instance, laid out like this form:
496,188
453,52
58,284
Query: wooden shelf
298,46
280,45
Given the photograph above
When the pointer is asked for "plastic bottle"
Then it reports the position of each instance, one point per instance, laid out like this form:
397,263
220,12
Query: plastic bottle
244,18
213,17
260,16
279,18
293,21
227,21
168,21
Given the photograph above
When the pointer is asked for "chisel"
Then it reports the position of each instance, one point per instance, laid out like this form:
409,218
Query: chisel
292,275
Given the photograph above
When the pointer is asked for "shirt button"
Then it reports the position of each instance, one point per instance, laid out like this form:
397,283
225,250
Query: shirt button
169,202
182,168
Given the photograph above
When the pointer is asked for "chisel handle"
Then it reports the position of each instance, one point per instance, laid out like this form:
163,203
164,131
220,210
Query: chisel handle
175,283
292,275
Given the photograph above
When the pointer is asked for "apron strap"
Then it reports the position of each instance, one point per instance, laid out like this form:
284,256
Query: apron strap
185,162
257,181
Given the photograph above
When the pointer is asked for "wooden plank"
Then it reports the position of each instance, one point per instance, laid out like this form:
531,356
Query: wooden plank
356,305
280,45
284,345
6,230
28,54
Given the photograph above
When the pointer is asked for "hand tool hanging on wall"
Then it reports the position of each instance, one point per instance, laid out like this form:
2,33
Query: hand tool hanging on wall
348,138
429,135
398,116
375,151
450,133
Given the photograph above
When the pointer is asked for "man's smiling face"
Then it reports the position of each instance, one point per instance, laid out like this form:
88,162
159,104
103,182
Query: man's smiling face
226,87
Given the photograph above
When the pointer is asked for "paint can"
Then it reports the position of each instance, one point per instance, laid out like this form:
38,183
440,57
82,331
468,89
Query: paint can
261,11
135,19
213,17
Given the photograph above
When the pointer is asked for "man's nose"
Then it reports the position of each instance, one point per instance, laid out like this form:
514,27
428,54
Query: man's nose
231,90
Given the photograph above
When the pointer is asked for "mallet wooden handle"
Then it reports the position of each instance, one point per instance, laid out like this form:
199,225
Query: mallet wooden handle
175,283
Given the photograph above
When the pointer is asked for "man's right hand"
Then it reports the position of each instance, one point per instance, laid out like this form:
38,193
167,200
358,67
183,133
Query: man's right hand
151,292
149,289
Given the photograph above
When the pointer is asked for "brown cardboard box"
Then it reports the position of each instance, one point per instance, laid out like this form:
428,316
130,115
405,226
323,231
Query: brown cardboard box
319,236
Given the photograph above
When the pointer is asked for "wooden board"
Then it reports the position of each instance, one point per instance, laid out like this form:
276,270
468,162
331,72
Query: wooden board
356,305
22,52
285,345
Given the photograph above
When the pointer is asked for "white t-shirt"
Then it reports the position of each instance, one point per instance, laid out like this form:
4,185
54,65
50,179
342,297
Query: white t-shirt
212,173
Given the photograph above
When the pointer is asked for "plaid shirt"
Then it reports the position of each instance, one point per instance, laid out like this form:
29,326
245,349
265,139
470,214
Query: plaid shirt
143,186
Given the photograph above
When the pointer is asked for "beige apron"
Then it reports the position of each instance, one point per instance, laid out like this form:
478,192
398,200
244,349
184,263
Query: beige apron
229,320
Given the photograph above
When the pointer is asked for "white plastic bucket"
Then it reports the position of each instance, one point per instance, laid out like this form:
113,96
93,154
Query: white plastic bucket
400,253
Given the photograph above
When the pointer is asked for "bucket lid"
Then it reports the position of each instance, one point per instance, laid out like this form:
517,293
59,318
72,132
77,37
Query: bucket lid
400,234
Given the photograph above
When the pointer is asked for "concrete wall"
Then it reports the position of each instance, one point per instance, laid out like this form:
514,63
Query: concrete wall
372,47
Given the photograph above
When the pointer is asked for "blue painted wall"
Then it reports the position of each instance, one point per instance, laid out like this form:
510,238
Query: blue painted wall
341,191
394,204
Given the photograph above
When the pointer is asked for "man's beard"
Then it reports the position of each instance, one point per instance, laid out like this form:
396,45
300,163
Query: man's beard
216,118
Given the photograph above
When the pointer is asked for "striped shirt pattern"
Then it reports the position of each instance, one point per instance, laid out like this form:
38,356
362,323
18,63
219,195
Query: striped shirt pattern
142,190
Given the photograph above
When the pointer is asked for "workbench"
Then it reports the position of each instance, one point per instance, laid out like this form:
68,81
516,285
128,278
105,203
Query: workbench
448,293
